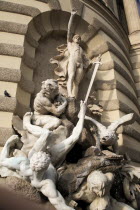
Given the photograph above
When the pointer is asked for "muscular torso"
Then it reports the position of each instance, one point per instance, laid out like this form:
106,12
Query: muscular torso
41,103
75,52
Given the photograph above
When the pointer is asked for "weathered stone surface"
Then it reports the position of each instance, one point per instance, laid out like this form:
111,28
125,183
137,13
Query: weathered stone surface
13,27
7,104
75,174
5,133
18,8
10,75
21,187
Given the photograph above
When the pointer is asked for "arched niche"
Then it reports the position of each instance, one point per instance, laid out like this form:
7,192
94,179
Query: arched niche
45,33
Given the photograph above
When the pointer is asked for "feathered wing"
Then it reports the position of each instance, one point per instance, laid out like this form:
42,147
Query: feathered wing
95,122
125,119
131,171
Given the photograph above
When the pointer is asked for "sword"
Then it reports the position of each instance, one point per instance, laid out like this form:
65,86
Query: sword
97,64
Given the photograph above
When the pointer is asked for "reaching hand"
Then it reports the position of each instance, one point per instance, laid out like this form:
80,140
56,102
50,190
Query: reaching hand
73,12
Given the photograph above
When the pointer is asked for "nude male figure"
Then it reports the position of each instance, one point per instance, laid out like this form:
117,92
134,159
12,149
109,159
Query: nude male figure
77,60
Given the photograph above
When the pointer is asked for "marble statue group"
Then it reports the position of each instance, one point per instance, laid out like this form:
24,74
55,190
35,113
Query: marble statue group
38,154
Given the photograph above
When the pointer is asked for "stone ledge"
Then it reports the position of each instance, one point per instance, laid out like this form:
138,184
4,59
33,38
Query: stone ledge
12,50
5,133
19,8
16,28
7,104
10,75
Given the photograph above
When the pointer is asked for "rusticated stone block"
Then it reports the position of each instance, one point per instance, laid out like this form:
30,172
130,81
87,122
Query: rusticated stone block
18,8
10,49
16,28
10,75
7,104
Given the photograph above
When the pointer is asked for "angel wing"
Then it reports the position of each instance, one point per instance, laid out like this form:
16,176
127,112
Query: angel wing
125,119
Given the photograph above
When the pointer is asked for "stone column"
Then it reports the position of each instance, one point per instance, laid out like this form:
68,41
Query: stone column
132,15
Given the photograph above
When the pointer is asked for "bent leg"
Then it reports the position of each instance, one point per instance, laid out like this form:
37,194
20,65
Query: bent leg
71,75
54,196
9,143
78,78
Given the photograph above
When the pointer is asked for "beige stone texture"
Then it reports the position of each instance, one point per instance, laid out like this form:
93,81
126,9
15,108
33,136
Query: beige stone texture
6,119
9,86
107,94
127,101
132,15
10,38
15,18
65,5
10,62
43,7
131,147
138,85
123,81
29,49
23,97
105,75
47,22
117,60
110,116
135,37
87,15
137,74
33,32
26,71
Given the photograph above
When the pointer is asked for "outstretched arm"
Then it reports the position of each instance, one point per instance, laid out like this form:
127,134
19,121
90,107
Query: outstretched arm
59,151
69,34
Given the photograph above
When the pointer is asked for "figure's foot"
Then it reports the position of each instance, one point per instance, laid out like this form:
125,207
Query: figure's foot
12,140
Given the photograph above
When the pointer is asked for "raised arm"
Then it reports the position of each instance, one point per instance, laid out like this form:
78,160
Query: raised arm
69,34
59,151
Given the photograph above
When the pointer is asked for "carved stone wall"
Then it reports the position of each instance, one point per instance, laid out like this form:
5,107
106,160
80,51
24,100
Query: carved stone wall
26,25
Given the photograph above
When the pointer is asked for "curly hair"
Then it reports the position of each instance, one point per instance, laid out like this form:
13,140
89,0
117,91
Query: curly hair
39,161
